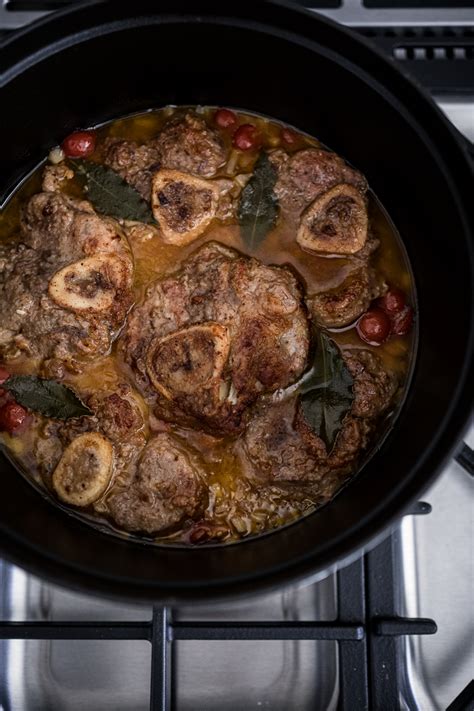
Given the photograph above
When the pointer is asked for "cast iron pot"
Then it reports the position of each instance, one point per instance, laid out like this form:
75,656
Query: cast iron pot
107,59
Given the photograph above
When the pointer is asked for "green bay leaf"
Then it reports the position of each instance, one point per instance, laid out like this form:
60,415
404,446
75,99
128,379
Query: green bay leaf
47,397
258,206
110,194
327,394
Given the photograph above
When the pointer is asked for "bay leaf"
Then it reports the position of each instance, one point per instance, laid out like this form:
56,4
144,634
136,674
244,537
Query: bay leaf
47,397
110,194
327,394
258,206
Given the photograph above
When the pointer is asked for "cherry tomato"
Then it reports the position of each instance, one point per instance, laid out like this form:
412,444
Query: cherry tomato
4,374
374,327
402,321
225,118
12,417
79,144
203,531
246,137
199,534
288,136
393,301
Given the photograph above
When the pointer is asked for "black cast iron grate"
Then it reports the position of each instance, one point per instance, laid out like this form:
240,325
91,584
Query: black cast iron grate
367,631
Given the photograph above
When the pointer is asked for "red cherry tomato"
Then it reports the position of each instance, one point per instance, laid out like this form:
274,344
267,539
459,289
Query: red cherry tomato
393,301
199,534
79,144
288,136
203,531
374,327
402,322
12,417
246,137
225,118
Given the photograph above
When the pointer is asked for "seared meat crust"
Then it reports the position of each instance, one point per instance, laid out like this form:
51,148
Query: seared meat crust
308,173
374,387
54,315
222,309
117,416
167,488
280,449
186,143
344,304
326,197
134,162
54,177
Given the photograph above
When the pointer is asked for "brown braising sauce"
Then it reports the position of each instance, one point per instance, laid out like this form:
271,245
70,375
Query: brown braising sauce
154,259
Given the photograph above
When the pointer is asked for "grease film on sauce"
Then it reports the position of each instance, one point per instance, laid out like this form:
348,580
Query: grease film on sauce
207,325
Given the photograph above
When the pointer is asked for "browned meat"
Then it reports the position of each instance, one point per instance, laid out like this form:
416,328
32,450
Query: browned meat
344,304
374,387
188,144
166,489
351,442
208,340
280,449
68,228
54,177
308,173
134,162
154,486
117,416
65,291
185,144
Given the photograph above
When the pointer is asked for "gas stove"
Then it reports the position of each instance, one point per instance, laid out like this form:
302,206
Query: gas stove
391,630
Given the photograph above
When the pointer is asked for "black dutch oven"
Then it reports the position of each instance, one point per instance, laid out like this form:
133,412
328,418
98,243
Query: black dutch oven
106,59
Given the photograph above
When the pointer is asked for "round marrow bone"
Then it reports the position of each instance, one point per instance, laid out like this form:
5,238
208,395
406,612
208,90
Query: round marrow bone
84,470
89,284
335,223
187,359
183,205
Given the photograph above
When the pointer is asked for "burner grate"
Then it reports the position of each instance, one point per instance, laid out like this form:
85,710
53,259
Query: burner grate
366,630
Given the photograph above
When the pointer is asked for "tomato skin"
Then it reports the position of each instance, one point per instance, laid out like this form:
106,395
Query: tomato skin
79,144
288,136
203,531
12,417
393,301
199,534
246,137
225,118
374,326
402,322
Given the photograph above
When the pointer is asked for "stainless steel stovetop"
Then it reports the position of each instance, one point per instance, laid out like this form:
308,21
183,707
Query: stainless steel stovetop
433,563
